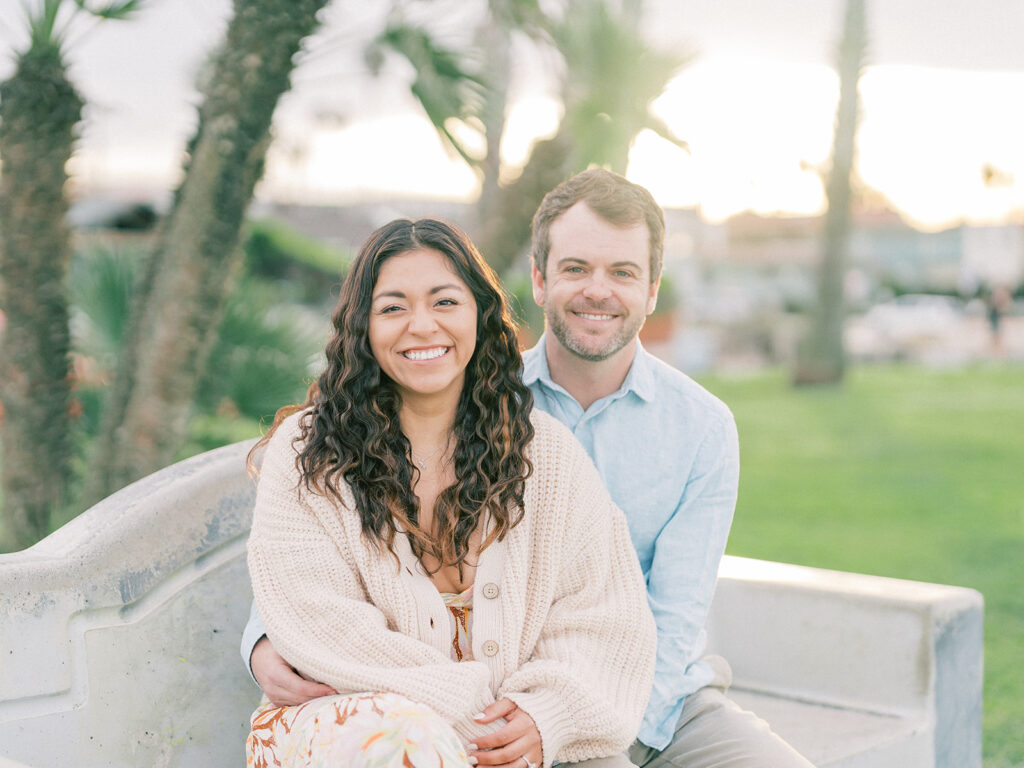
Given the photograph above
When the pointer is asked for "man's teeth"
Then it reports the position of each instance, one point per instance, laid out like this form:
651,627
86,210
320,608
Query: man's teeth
425,354
588,316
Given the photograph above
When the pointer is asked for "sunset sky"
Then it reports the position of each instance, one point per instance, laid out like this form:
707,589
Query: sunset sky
941,104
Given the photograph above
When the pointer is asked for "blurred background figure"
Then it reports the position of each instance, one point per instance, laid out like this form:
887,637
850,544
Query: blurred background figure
997,303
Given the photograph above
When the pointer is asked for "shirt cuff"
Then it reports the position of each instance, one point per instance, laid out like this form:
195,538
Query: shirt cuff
253,633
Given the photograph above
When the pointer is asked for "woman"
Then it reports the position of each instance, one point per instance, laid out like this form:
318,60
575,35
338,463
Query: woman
447,561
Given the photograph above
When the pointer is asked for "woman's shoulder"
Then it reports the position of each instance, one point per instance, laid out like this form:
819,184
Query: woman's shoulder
555,449
547,430
283,446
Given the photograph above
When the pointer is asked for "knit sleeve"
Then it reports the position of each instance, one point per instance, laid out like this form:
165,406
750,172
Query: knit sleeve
317,616
589,677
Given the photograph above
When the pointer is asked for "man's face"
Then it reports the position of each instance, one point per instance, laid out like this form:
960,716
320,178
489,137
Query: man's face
596,289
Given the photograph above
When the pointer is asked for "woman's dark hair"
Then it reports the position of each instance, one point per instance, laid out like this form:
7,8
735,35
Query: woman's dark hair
351,432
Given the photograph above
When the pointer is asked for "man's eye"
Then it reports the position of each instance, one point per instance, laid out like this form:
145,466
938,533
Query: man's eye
623,273
574,270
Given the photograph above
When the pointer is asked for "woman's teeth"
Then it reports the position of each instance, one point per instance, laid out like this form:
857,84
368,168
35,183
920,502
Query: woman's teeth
425,354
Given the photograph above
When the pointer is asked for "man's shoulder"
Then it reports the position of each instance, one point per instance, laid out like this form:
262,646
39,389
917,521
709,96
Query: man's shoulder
674,391
547,430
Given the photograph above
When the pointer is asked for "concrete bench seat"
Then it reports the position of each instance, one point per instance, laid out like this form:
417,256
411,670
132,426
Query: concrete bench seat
119,635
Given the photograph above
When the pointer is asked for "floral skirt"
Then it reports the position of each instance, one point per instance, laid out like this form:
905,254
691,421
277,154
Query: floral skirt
360,730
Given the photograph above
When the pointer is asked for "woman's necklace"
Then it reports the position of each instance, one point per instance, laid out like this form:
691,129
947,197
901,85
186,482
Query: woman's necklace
423,462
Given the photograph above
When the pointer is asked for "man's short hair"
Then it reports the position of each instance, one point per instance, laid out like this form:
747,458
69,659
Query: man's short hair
616,200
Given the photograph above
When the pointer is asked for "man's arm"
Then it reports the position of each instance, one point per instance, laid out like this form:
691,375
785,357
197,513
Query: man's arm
684,569
282,684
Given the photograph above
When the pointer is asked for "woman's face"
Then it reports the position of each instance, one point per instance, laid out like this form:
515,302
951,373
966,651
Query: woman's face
422,324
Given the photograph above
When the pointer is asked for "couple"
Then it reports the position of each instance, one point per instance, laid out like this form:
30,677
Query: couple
441,577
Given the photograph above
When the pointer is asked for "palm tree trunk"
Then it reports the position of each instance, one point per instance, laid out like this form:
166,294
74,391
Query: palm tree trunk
39,109
506,233
821,358
197,255
496,39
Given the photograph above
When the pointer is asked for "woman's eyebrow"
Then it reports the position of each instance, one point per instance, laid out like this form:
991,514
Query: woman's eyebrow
446,287
437,289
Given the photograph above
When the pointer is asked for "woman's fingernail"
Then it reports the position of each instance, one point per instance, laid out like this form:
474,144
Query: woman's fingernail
473,747
479,716
472,760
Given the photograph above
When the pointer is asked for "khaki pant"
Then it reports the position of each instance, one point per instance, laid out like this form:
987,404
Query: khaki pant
713,732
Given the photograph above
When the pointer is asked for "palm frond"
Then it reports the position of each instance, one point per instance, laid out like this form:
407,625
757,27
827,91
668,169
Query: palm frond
612,77
115,9
660,127
42,25
444,85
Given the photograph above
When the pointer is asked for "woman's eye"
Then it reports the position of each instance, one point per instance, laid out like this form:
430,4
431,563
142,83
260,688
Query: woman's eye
389,309
447,303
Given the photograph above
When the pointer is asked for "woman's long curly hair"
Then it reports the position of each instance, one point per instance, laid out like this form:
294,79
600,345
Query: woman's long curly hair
351,432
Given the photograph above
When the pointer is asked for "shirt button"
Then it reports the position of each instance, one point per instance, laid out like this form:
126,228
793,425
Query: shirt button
490,648
490,590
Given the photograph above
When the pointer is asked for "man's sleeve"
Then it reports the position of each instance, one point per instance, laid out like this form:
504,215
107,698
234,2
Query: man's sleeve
252,634
684,569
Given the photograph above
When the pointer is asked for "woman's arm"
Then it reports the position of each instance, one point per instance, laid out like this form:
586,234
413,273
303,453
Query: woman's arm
317,616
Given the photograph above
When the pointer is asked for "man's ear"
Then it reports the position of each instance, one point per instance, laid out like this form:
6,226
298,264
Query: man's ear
537,278
652,297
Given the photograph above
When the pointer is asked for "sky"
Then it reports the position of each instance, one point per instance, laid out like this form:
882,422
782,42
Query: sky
940,107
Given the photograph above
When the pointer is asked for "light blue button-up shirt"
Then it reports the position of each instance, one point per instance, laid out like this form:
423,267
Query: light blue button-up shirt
668,452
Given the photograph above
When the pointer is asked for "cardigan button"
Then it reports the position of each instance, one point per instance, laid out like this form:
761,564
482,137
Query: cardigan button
490,648
490,590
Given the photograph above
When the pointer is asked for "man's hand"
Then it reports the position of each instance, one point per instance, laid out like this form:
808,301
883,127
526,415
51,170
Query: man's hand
515,745
281,683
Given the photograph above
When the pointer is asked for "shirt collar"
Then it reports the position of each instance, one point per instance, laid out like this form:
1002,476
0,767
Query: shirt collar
640,378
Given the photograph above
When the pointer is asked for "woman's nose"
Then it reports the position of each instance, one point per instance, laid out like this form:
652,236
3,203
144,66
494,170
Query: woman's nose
422,321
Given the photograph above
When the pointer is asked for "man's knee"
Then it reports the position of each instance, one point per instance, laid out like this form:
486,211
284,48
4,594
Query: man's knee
613,761
714,731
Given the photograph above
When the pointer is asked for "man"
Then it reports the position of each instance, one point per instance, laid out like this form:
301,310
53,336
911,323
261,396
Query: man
666,448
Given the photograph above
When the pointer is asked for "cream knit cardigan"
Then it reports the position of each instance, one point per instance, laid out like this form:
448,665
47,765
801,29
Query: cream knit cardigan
561,624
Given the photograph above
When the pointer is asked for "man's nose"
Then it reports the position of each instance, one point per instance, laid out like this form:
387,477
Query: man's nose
597,287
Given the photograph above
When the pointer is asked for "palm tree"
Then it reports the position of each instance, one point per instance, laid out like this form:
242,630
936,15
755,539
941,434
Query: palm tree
39,109
468,86
820,356
183,291
610,79
611,76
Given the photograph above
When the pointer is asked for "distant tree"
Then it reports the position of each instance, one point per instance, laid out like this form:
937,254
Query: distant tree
39,109
821,358
183,291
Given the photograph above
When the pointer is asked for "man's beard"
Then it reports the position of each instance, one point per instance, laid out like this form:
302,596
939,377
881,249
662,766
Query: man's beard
578,343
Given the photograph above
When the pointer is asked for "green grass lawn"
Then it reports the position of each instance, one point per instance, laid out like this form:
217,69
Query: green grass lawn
900,472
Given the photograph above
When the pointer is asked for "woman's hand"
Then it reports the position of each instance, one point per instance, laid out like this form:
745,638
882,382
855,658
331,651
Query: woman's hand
516,745
281,683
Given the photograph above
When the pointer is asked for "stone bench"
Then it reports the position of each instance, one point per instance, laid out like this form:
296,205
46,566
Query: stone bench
119,636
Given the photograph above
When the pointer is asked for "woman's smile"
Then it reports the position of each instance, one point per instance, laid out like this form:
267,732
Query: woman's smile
431,353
